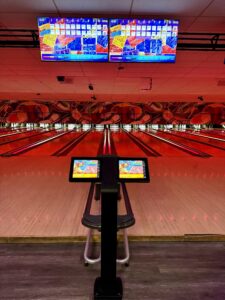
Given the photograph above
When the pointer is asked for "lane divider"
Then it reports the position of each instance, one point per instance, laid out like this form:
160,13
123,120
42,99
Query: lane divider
9,134
183,147
202,135
101,144
144,147
109,142
193,140
26,137
70,145
28,147
105,142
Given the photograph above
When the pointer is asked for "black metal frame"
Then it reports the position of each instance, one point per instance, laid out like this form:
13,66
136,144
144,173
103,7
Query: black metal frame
196,41
19,38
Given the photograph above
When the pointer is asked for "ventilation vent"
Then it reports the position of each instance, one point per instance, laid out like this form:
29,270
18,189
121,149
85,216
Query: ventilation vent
65,79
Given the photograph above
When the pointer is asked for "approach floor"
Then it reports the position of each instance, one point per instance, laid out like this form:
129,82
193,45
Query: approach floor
157,271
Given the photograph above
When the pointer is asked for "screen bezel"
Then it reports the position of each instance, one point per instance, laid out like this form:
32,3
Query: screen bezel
71,179
141,62
145,160
74,61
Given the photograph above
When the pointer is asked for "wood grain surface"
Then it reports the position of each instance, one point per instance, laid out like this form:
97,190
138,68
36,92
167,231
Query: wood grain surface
157,271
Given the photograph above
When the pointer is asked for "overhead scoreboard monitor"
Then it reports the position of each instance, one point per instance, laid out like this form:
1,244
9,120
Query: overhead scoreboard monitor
135,40
73,39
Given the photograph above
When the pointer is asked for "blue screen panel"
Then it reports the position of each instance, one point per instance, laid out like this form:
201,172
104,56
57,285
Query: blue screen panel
73,39
133,40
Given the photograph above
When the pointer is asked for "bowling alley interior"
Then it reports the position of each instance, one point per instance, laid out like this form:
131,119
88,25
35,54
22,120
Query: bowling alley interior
112,149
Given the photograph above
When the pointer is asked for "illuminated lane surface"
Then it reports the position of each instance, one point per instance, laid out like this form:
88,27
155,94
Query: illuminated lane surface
201,147
209,149
89,145
217,141
14,134
54,145
7,130
19,135
125,146
215,133
28,140
163,148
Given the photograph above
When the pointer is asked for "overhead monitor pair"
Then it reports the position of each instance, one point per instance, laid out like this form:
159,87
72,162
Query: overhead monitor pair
128,169
107,40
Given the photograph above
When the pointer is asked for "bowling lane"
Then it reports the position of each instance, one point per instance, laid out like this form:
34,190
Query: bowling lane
54,145
27,140
163,148
19,135
203,138
179,138
11,135
89,146
215,133
125,146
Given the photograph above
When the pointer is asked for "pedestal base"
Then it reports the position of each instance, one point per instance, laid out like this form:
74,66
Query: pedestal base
108,291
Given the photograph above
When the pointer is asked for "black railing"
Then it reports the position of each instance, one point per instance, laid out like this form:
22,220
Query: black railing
192,41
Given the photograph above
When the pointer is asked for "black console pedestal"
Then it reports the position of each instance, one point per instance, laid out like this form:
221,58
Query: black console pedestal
108,171
108,291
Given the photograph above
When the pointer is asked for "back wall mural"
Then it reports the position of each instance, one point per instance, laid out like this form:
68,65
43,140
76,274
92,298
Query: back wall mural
17,111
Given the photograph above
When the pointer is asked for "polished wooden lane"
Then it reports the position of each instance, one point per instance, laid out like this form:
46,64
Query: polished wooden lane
185,196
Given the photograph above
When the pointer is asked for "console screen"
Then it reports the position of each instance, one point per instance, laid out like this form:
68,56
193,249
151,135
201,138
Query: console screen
86,168
132,169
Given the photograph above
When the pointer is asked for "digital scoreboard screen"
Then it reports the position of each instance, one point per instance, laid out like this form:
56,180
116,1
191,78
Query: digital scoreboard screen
132,169
86,168
133,40
73,39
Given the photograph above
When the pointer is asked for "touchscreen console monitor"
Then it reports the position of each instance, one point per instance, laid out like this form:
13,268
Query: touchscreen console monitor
129,169
133,169
85,169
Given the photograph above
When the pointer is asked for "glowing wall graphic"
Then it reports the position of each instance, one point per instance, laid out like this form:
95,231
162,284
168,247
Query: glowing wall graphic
112,112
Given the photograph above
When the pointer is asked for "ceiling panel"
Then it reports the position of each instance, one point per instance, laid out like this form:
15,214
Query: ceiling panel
185,23
27,6
17,56
208,24
170,8
23,75
216,8
99,69
203,72
21,20
93,6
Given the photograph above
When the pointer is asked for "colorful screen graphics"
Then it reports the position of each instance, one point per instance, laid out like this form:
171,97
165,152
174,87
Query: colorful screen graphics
134,40
85,168
73,39
132,169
